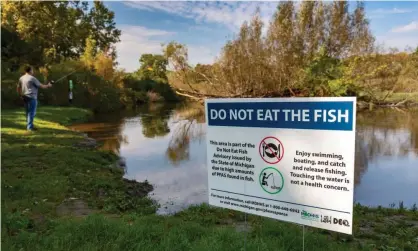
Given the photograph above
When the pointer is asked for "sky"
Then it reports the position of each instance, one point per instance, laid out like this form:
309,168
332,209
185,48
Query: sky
205,26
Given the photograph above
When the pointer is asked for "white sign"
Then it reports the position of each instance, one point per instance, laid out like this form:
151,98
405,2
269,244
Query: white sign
290,159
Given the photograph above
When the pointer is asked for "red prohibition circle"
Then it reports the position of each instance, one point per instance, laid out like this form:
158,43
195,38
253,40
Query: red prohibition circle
263,141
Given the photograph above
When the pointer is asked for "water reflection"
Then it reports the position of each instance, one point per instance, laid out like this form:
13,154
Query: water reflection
389,132
187,125
154,120
387,141
165,144
108,134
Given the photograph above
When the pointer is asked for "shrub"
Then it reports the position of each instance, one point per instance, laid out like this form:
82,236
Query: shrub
153,96
89,89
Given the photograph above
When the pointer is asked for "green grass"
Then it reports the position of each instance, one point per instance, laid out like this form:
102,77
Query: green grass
47,175
58,196
207,228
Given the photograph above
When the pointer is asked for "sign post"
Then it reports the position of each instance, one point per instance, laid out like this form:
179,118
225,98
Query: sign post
290,159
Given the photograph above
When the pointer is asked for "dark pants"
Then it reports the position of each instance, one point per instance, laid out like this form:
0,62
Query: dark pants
30,111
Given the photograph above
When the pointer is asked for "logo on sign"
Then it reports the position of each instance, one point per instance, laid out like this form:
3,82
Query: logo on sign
341,222
326,219
309,216
271,150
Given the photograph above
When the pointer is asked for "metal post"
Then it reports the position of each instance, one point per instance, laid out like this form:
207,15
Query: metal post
245,219
303,237
245,227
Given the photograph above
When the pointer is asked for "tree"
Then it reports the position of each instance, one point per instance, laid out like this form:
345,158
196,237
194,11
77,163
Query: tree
103,65
298,42
100,22
177,58
48,27
90,51
57,30
338,37
153,66
362,39
15,51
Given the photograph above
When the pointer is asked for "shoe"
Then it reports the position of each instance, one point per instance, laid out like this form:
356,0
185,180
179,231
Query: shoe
33,129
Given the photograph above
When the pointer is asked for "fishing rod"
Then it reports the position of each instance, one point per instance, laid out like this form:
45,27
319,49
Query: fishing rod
56,81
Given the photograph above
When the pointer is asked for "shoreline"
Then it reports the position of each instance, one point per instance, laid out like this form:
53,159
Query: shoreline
362,105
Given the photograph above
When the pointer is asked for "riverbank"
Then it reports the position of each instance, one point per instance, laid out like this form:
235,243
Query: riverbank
61,193
396,100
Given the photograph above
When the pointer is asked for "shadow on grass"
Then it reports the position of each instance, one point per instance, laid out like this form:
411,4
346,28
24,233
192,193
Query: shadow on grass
61,115
53,137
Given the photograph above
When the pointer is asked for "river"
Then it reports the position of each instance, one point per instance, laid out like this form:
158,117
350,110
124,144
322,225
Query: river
165,144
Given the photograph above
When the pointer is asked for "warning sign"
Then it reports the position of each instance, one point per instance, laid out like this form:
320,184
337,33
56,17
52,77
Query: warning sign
271,150
279,158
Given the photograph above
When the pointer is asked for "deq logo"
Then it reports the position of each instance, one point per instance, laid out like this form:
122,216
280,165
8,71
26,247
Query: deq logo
341,222
309,216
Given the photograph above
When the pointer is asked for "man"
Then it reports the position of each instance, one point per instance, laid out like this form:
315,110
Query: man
28,88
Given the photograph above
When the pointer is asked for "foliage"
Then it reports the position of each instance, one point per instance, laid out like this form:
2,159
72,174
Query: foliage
75,39
14,50
150,88
90,51
89,89
50,31
59,39
384,74
101,25
318,49
103,66
323,76
96,85
153,67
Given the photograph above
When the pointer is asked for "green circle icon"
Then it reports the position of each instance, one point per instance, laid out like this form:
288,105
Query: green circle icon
271,180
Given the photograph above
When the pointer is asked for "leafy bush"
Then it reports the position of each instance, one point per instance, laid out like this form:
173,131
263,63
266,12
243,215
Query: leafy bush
145,85
324,76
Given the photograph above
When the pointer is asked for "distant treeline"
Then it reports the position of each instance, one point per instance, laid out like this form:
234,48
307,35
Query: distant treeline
318,49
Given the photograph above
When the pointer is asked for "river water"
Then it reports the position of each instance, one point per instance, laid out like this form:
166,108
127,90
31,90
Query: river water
165,144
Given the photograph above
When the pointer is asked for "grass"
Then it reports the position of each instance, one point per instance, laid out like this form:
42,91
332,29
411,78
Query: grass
207,228
47,174
57,195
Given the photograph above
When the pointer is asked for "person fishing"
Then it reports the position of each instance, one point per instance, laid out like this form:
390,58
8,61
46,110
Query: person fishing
28,89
